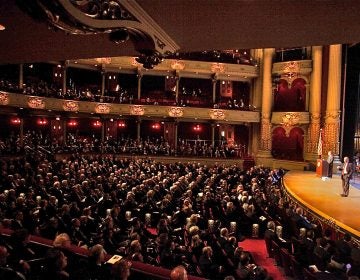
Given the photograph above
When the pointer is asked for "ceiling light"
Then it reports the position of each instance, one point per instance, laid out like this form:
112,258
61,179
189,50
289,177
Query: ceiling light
2,27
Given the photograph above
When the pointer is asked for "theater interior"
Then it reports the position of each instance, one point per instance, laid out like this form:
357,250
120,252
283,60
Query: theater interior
179,139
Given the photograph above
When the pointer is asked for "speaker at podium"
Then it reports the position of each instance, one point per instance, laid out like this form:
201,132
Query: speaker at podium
322,168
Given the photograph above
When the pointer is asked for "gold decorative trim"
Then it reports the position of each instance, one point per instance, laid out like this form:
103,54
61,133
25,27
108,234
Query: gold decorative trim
70,106
4,98
217,67
289,120
103,60
137,110
36,102
176,112
102,108
177,65
217,114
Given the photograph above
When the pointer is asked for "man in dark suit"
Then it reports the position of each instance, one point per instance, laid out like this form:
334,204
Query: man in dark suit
330,161
347,171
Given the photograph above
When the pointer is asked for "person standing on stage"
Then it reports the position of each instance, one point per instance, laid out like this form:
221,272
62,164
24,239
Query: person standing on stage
346,174
330,161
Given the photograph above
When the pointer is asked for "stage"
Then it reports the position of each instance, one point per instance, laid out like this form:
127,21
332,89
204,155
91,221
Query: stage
323,198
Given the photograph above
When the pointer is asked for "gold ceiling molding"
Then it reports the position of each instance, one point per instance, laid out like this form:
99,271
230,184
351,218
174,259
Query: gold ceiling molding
36,102
103,108
137,110
176,112
71,106
217,114
4,98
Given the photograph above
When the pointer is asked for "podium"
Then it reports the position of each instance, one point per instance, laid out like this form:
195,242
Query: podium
322,168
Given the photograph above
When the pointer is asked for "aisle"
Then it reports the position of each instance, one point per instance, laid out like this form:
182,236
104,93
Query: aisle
258,250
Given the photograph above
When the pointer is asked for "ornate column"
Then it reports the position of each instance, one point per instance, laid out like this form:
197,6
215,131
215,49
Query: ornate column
64,131
103,81
177,80
266,106
176,137
21,76
213,134
332,117
214,83
21,132
64,88
138,129
139,76
103,129
255,100
312,135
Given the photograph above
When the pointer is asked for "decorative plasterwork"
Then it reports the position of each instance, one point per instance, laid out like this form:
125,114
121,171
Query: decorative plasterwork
332,116
103,60
71,106
4,98
88,17
137,110
102,108
176,112
184,68
301,67
289,120
36,102
217,114
218,68
177,65
188,113
290,117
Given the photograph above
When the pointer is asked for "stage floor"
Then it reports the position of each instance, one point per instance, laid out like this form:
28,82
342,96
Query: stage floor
323,198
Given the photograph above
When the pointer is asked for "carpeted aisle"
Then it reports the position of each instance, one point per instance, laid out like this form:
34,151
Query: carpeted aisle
258,250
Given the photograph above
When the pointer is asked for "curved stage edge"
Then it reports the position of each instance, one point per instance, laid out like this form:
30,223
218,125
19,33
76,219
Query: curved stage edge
324,200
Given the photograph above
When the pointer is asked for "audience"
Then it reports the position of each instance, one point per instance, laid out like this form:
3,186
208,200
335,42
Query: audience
176,214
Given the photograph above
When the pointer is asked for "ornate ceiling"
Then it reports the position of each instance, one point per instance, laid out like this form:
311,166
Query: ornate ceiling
164,26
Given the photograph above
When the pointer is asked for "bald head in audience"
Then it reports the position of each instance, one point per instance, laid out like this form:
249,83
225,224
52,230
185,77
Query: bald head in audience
178,273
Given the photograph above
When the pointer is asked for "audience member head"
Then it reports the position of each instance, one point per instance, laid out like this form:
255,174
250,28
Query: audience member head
62,240
178,273
121,270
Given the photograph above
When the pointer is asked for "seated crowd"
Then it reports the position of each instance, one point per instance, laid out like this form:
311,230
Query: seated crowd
163,214
124,145
187,98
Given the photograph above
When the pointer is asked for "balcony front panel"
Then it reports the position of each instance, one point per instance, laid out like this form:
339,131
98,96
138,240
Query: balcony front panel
181,113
